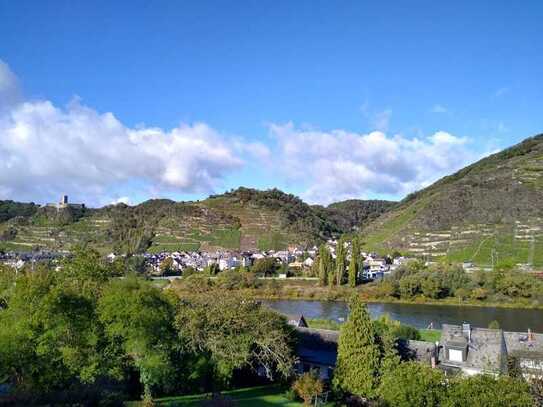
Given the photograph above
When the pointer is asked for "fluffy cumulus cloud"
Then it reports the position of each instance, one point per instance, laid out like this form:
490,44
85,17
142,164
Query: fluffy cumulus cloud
46,150
338,164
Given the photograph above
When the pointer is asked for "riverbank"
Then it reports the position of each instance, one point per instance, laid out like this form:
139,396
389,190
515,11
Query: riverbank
294,292
286,289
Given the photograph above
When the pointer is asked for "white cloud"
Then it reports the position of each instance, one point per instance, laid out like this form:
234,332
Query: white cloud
46,150
123,199
338,164
439,109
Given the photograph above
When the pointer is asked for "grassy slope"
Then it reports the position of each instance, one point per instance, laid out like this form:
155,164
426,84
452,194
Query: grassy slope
489,209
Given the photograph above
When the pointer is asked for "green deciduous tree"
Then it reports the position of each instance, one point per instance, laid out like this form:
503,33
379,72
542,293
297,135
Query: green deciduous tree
359,356
138,321
235,332
49,337
413,384
267,266
488,391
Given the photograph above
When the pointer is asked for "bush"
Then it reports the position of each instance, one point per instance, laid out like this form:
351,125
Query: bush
267,266
229,280
196,283
412,384
308,386
484,390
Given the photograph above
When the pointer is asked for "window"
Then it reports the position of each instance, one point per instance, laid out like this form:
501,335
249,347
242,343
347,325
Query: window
531,364
455,355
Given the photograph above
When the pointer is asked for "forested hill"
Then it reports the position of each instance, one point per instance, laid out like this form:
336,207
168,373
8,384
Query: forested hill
487,213
244,219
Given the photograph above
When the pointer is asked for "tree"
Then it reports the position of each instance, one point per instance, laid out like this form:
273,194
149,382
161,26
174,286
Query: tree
358,359
413,384
236,332
268,266
430,286
410,285
325,260
166,266
212,269
49,334
353,265
229,280
341,261
85,272
308,386
138,321
488,391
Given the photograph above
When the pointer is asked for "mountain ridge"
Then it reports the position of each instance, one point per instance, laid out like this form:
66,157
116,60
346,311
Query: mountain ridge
241,219
487,212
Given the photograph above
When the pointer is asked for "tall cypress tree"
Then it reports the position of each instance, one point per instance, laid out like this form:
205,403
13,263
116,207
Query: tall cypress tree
341,261
353,266
324,261
359,355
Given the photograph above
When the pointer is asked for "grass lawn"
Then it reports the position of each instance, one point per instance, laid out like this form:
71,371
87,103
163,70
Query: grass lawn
430,335
252,397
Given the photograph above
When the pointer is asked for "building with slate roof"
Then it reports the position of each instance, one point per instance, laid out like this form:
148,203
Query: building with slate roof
472,350
316,349
525,350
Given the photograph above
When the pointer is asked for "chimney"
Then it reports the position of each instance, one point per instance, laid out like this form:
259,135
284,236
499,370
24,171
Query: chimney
466,330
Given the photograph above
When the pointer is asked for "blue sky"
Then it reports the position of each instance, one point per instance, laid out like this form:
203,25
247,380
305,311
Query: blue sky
328,100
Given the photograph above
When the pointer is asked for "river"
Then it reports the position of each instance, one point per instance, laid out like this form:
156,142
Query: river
420,315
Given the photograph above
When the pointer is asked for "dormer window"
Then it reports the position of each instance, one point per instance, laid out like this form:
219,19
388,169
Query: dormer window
456,355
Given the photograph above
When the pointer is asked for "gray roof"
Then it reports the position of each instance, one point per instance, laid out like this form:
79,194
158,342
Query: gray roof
296,320
317,346
421,351
485,352
519,345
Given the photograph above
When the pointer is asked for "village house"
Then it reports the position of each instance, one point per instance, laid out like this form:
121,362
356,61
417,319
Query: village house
483,350
316,350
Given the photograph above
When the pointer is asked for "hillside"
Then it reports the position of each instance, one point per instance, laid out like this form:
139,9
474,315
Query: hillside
488,212
245,219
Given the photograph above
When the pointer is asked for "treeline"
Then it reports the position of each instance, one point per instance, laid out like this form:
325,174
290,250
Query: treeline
78,335
11,209
343,269
442,280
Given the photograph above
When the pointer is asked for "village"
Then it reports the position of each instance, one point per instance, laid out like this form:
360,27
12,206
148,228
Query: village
292,262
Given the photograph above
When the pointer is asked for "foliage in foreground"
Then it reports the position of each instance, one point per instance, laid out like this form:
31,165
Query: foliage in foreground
359,356
78,330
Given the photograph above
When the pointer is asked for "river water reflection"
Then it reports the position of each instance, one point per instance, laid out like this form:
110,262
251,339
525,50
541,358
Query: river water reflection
420,316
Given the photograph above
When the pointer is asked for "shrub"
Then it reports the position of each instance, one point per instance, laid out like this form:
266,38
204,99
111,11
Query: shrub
229,280
412,384
484,390
308,386
196,283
